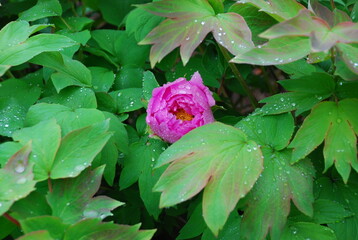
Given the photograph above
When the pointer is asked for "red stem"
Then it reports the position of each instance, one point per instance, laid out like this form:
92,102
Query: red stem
11,219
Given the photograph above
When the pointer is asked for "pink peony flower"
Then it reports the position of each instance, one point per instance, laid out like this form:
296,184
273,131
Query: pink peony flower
178,107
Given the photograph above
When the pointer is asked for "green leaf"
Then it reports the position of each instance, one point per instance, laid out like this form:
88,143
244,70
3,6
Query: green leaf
140,22
273,131
349,55
188,24
94,229
15,98
66,117
337,124
269,200
20,53
69,71
45,137
231,230
327,211
38,235
305,92
138,166
33,205
148,84
306,230
299,68
194,226
72,198
128,99
14,33
102,79
51,224
276,51
109,158
78,149
120,135
210,156
74,24
128,77
3,69
7,149
80,37
73,97
16,178
278,9
6,227
43,8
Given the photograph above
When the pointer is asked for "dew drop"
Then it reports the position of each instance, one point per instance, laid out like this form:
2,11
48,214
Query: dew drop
19,168
21,180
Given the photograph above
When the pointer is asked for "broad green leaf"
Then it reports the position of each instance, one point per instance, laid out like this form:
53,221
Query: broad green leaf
7,149
120,135
216,157
80,37
148,84
337,124
20,53
102,79
231,230
140,22
346,195
69,71
51,224
305,92
72,198
327,211
16,178
43,8
15,98
276,51
33,205
6,227
93,229
128,99
299,68
14,33
307,230
3,69
257,21
38,235
109,158
194,226
78,149
73,97
128,77
349,55
74,24
273,131
45,137
66,117
188,24
344,71
138,166
347,89
278,9
269,200
106,102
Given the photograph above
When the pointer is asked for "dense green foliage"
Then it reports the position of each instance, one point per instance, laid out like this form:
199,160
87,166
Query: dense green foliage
78,161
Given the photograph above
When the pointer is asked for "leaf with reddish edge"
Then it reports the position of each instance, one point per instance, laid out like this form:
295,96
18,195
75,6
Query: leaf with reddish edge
321,11
276,51
337,124
216,157
269,200
278,9
72,198
188,24
350,56
37,235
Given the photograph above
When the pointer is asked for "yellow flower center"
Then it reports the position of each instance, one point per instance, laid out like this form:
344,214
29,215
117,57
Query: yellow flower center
183,115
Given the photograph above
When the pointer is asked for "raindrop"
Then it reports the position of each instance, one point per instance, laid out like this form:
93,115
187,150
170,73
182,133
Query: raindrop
90,214
19,168
21,180
202,23
79,168
339,120
293,104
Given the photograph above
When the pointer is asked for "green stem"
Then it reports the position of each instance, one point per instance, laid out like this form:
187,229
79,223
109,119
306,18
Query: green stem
332,69
239,77
64,21
333,5
9,74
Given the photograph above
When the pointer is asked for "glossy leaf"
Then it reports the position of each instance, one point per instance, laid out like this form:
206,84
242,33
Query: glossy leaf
337,124
37,235
94,229
350,56
78,149
102,79
45,137
69,71
305,92
35,204
72,198
43,8
188,24
278,9
216,157
53,225
128,99
16,178
306,230
276,51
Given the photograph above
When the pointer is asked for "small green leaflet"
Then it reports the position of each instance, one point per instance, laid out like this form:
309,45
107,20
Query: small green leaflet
307,230
216,157
72,198
53,225
350,56
16,178
305,92
43,8
270,199
187,24
337,124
